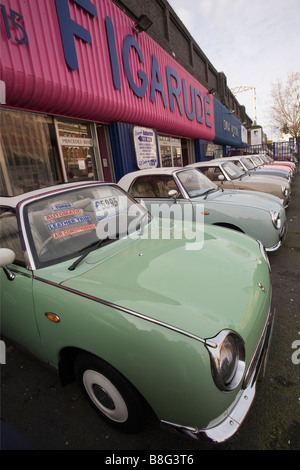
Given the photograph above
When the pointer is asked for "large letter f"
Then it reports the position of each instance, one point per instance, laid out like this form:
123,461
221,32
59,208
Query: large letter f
69,28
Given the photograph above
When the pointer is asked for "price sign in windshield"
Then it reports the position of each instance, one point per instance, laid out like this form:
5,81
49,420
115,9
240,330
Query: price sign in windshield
109,206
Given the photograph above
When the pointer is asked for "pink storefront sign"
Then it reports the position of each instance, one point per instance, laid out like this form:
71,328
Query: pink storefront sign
85,59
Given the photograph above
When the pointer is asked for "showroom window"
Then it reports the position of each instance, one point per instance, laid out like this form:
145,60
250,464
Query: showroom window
37,151
28,158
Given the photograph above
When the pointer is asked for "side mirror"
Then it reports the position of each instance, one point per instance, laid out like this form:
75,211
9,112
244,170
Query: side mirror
174,194
221,177
7,257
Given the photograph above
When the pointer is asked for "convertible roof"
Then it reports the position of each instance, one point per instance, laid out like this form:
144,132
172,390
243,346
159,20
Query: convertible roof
13,201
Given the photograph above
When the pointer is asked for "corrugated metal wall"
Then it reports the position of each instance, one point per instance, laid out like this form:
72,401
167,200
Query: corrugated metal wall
37,76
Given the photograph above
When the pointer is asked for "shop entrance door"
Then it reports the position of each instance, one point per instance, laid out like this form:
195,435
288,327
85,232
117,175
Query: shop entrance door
170,151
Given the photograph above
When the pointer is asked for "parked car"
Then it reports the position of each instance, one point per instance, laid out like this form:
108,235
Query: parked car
259,162
246,164
228,176
257,214
268,161
141,321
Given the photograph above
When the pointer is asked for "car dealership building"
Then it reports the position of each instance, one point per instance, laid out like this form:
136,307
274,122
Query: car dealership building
88,92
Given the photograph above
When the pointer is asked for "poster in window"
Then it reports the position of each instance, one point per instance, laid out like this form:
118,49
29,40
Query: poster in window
145,147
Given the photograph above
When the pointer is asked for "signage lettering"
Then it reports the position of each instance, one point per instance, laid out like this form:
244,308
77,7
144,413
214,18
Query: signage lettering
69,28
176,88
143,74
199,99
156,82
15,18
113,53
129,42
174,91
230,128
75,141
207,111
190,115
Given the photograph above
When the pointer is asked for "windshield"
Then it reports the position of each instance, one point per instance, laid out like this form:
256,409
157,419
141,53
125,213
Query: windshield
248,164
63,225
195,183
232,171
257,161
264,158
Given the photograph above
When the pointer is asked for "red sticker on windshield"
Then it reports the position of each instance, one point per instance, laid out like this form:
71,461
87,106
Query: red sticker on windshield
71,231
56,215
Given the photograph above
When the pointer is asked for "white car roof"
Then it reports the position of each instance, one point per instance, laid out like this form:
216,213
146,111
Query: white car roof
237,157
215,161
13,201
127,179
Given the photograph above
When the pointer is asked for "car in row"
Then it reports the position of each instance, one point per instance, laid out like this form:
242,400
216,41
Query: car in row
266,161
248,164
264,158
227,175
187,193
144,317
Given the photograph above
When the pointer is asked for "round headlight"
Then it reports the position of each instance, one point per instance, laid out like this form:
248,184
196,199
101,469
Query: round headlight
227,358
276,220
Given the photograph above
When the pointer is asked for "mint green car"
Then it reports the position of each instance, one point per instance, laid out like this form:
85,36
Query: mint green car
143,319
186,192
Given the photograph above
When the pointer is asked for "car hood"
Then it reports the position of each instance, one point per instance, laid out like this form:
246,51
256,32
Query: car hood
281,173
260,179
253,199
200,291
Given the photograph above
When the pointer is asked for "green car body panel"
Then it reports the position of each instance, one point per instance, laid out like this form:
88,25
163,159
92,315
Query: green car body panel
147,307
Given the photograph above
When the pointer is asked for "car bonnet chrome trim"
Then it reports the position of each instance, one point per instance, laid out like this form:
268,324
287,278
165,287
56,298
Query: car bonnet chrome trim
126,310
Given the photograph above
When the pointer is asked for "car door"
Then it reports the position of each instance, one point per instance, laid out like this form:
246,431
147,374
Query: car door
154,190
17,307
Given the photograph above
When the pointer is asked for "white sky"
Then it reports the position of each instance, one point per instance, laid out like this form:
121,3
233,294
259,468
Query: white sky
255,43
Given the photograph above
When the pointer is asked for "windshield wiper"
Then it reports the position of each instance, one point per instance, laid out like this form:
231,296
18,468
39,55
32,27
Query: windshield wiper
88,249
206,193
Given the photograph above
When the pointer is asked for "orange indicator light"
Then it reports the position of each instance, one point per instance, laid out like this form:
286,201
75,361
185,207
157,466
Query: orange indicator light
53,317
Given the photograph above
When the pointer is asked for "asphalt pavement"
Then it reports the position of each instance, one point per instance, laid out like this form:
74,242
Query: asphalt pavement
44,416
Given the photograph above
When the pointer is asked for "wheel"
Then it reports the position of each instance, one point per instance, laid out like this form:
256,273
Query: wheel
114,398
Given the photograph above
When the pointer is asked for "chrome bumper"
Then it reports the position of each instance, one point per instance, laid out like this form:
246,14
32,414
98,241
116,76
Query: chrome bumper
281,239
287,201
232,422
